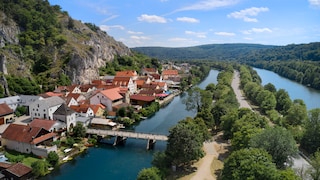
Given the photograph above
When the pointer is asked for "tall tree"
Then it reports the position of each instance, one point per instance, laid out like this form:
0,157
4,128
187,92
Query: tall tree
249,164
297,113
278,142
184,144
149,174
314,170
311,138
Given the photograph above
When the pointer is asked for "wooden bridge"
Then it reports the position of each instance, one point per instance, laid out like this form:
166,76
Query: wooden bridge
121,136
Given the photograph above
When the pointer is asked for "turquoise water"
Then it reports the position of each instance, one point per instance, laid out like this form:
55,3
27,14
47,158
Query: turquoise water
311,97
125,162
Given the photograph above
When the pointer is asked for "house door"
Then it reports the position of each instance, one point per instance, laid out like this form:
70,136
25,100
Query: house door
1,120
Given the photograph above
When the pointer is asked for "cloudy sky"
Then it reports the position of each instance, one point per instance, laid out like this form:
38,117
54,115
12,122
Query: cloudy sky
181,23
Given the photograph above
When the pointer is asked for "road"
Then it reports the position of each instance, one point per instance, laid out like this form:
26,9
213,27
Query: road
299,163
235,84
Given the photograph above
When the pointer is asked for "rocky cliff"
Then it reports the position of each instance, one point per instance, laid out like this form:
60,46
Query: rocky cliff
75,49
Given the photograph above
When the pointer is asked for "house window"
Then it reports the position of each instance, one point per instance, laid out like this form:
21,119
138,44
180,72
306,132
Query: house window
44,110
38,105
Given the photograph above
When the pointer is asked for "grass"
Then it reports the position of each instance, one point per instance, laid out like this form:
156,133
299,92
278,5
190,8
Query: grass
26,159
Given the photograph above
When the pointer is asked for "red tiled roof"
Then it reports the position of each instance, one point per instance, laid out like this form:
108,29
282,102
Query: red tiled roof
140,82
5,165
156,76
19,169
44,123
43,138
121,81
74,95
82,108
128,73
153,70
5,109
160,84
142,98
170,72
112,94
21,133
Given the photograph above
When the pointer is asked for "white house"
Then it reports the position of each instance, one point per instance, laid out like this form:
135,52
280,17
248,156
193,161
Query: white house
12,101
27,100
66,115
44,108
125,82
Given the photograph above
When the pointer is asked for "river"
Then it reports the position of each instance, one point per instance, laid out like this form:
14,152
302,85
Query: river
311,97
124,162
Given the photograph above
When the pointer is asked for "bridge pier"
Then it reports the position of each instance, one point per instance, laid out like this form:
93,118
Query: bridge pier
150,144
119,140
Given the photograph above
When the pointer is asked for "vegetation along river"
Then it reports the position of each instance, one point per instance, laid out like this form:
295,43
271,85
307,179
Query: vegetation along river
311,97
124,162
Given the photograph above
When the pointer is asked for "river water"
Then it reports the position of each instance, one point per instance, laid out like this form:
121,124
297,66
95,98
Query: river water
124,162
311,97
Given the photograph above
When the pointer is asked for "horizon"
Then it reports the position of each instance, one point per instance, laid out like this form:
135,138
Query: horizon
167,23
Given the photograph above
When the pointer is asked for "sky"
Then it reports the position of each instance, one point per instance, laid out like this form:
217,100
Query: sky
184,23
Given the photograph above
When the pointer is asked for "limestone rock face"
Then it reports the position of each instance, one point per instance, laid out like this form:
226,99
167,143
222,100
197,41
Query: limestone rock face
84,64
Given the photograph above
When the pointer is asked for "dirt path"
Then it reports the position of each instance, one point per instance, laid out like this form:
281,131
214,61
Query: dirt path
235,86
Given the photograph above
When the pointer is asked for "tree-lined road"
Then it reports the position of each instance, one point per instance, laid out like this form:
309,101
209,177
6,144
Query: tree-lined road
235,84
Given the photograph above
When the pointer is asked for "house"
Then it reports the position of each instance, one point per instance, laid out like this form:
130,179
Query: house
78,97
17,171
65,115
27,100
102,123
127,73
44,108
156,77
86,88
27,139
12,101
6,114
68,89
161,85
169,74
51,94
149,71
108,97
141,100
89,109
70,101
49,125
125,82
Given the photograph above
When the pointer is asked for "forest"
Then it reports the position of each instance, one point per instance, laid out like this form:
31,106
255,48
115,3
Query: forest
298,62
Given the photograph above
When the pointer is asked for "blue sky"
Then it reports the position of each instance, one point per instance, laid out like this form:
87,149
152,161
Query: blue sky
181,23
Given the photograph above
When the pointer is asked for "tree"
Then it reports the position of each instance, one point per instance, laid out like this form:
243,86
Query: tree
79,130
211,87
278,142
39,168
283,101
184,144
243,135
53,158
149,174
270,87
314,170
249,164
311,139
193,101
297,113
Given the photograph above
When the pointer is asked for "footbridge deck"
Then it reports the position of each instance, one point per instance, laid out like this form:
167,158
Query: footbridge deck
121,136
127,134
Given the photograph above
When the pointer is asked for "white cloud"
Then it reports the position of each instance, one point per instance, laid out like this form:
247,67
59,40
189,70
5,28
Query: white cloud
110,18
257,30
107,28
178,39
139,37
248,38
224,34
315,3
246,14
134,32
188,19
208,5
197,34
152,18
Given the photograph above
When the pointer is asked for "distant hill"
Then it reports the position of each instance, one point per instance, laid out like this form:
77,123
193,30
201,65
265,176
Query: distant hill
235,52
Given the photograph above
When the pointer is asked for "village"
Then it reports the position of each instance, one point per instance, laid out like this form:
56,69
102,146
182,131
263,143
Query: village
52,115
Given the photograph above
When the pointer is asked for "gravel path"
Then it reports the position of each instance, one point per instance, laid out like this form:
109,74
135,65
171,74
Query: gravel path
235,86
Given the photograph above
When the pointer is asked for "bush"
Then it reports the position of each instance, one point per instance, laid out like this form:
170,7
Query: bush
53,158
